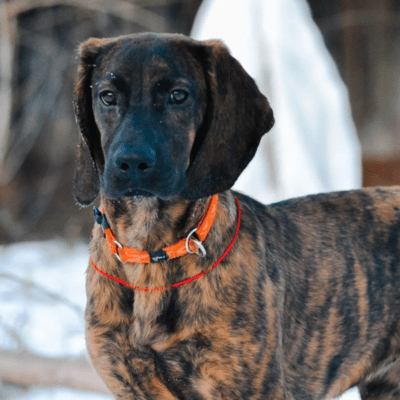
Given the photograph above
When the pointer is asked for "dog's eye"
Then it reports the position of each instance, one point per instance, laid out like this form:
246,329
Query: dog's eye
108,98
178,96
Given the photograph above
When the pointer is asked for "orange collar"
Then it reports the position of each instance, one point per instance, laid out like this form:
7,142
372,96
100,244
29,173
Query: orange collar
185,281
186,245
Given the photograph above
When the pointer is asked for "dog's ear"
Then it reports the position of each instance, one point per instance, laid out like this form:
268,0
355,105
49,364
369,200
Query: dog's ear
90,158
237,116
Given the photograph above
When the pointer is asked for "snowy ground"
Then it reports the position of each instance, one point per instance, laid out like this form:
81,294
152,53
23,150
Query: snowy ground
42,297
57,394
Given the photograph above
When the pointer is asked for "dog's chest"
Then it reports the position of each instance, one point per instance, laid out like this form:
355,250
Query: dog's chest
205,352
203,363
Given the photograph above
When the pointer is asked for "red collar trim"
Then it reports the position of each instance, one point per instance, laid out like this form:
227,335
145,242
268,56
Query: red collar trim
186,281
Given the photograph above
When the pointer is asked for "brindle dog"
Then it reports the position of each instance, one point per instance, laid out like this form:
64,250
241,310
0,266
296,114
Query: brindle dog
306,304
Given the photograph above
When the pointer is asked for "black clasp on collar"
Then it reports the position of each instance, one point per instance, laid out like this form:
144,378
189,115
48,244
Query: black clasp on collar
100,219
159,256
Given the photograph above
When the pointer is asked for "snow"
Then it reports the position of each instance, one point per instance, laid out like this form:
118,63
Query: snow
42,297
60,394
48,323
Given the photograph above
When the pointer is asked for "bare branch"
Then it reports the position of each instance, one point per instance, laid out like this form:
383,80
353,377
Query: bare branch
118,8
27,369
158,3
7,40
53,296
13,334
350,18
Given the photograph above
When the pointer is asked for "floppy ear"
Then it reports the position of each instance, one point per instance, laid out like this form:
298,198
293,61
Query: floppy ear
237,116
90,158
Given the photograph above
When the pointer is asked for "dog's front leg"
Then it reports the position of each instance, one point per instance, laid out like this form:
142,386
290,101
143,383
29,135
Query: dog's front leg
129,374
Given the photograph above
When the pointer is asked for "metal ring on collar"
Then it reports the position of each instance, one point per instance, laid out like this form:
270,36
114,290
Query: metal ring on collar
118,245
201,250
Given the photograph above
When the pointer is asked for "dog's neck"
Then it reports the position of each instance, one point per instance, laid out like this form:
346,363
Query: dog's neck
148,224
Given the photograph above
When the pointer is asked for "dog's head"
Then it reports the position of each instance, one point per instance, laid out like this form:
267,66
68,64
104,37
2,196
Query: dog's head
164,116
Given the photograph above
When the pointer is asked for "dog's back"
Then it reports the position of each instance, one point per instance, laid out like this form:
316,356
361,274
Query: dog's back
337,257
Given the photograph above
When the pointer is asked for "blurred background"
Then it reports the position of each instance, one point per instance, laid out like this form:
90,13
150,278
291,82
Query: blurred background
38,141
38,135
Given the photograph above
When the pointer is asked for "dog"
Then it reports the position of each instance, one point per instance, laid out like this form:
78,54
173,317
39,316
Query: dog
298,300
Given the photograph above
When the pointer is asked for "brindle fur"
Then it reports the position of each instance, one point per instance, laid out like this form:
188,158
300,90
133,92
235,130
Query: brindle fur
305,306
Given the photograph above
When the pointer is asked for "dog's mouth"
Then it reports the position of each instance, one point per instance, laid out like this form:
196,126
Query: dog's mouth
163,183
137,193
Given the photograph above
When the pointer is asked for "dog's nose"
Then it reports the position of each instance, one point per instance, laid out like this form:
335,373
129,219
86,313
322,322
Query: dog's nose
136,159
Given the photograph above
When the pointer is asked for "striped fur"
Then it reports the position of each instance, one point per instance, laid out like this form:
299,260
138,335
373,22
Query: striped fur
304,307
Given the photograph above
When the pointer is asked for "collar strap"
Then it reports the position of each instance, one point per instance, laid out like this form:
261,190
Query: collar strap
180,283
191,244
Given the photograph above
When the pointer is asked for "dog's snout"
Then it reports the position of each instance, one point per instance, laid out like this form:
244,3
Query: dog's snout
136,159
